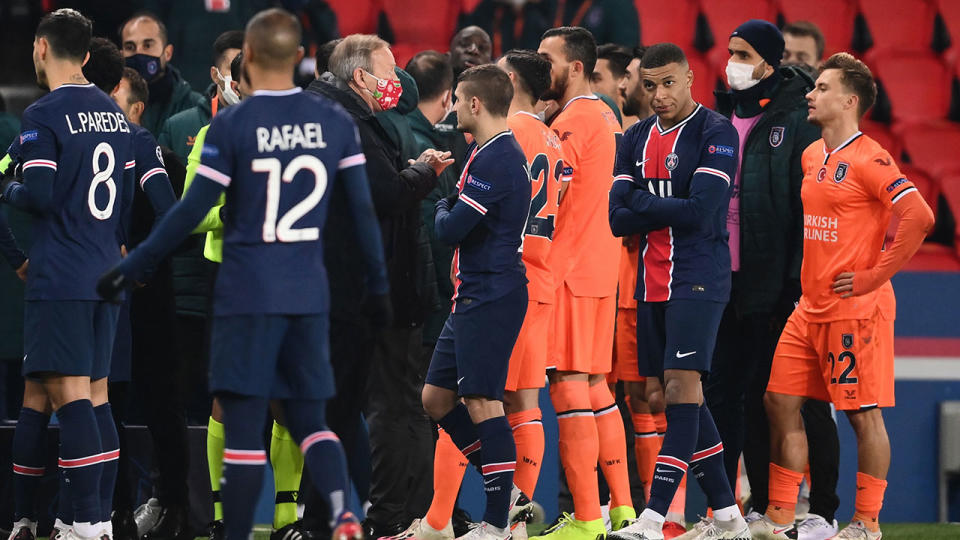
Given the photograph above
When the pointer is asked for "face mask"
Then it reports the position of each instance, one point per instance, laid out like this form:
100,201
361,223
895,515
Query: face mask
387,92
147,66
740,76
230,97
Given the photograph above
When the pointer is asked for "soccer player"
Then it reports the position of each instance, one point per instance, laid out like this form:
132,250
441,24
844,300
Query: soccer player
609,73
275,154
77,156
838,343
485,219
672,186
584,258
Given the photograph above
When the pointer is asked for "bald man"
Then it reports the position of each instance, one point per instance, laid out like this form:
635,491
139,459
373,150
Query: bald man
277,155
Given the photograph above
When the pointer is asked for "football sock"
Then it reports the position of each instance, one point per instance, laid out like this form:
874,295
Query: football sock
869,500
215,463
82,464
678,446
646,446
110,442
29,452
322,453
64,503
448,468
287,463
243,461
463,433
528,435
579,445
784,487
612,439
499,455
707,465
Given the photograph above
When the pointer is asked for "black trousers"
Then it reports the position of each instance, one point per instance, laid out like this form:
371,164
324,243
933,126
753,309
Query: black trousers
401,434
734,393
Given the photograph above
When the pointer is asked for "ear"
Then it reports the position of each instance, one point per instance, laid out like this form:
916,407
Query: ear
167,52
358,78
853,101
577,67
86,59
689,78
235,85
213,76
137,109
475,105
446,99
768,70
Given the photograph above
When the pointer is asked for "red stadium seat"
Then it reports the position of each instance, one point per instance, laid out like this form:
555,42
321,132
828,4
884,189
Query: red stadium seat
932,147
929,189
673,21
900,24
882,134
704,79
725,15
918,84
950,11
834,17
426,24
951,193
356,16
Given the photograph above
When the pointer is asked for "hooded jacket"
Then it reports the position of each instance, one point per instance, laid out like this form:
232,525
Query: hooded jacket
397,190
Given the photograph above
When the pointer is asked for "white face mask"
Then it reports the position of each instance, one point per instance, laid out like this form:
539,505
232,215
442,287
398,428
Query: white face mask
230,97
740,76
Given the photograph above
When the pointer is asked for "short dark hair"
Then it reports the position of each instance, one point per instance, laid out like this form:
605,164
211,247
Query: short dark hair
138,87
661,54
68,33
323,55
146,14
618,58
533,71
856,77
807,29
236,67
105,66
433,73
231,39
639,51
578,44
491,85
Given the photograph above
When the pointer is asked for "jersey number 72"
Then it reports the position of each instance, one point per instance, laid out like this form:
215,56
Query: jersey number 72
281,229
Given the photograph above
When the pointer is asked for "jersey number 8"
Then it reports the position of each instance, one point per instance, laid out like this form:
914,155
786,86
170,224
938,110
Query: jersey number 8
282,229
102,176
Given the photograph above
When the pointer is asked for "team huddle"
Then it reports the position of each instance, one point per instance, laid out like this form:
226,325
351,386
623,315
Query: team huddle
584,254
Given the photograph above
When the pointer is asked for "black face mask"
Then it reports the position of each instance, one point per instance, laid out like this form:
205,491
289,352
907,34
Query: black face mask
147,66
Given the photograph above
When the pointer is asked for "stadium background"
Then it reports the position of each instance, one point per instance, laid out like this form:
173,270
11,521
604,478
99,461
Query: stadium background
913,47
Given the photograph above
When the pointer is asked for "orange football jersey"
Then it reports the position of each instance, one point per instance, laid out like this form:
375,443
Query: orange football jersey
585,253
542,148
847,195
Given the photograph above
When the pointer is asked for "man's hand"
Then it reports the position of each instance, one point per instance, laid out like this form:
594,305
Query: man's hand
434,158
22,271
111,285
378,310
843,285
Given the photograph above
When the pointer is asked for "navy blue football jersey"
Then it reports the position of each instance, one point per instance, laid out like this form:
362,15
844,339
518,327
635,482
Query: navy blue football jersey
78,132
491,214
276,153
689,260
153,194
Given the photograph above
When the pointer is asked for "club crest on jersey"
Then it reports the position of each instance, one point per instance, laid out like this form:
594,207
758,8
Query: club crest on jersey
671,161
822,174
776,136
841,172
847,341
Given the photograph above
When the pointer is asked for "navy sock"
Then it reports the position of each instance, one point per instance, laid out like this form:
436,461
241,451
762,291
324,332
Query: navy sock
243,460
29,454
499,455
80,457
110,441
463,433
678,445
707,463
322,453
64,504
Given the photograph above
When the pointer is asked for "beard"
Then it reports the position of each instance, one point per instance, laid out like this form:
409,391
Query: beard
558,88
632,105
42,80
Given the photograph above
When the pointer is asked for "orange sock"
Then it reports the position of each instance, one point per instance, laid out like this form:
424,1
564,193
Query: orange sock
784,488
579,445
613,445
646,445
528,435
869,500
660,421
449,464
678,506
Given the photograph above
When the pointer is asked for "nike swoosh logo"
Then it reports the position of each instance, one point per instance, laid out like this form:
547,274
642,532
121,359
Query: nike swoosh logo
460,380
684,355
485,482
639,163
783,530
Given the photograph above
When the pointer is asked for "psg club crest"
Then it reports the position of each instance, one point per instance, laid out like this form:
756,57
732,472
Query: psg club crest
776,136
671,162
822,174
841,172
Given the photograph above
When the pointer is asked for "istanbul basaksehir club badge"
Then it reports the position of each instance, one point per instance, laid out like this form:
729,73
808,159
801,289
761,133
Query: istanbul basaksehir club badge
841,172
776,136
